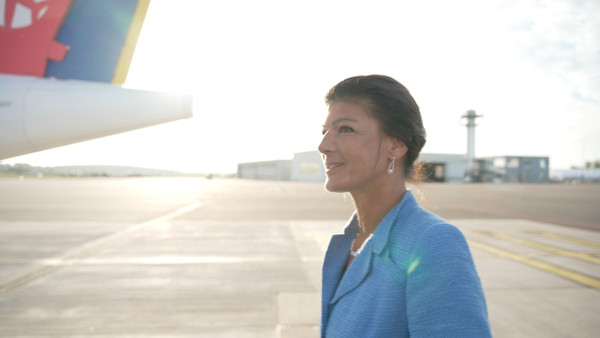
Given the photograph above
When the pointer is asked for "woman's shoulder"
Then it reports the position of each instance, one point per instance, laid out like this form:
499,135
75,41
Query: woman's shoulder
422,229
418,222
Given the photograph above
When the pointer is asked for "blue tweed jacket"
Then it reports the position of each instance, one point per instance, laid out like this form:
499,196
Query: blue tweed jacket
414,278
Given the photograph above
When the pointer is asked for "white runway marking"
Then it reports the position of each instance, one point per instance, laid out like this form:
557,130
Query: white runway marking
46,266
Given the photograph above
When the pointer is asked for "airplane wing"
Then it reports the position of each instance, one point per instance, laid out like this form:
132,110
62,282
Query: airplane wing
61,66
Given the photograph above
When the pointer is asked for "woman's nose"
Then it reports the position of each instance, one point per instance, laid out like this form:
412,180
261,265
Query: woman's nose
326,144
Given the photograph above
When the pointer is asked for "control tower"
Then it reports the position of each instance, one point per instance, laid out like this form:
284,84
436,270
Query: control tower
470,115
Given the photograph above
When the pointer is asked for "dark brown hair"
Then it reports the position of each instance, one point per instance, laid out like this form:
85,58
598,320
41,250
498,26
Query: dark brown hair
391,104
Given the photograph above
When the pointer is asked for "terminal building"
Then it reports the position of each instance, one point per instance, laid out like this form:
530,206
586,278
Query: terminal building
512,169
278,170
447,168
305,166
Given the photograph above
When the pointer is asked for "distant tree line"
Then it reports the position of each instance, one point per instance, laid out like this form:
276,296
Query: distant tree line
18,169
595,164
21,169
589,165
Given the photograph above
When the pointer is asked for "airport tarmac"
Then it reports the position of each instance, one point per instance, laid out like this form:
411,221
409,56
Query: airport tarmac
191,257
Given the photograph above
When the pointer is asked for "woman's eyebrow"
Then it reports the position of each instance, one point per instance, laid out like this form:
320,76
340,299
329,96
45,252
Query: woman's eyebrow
343,119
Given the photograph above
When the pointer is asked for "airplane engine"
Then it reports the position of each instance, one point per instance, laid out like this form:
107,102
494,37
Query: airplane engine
41,113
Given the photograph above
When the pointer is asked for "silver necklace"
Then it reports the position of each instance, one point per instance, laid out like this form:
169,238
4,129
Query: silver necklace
357,252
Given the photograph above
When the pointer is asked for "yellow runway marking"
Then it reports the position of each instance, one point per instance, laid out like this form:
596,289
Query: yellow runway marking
558,251
566,238
574,276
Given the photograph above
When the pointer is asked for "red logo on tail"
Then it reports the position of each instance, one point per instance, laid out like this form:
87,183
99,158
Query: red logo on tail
27,31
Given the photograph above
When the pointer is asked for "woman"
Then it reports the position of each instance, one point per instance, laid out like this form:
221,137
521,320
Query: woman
398,270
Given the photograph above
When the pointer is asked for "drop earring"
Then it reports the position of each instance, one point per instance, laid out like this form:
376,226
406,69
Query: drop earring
391,167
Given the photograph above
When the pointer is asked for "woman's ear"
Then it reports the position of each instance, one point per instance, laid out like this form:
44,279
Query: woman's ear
397,148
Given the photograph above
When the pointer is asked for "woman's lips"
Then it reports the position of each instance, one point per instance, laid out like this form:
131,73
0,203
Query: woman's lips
333,167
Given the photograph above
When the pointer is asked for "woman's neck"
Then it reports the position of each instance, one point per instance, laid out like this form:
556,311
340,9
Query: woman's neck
374,204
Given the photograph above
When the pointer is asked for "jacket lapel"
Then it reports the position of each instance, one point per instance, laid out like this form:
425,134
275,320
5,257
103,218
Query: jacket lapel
333,269
356,273
335,261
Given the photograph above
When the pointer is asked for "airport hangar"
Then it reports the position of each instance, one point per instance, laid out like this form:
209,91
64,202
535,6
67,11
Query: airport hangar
448,168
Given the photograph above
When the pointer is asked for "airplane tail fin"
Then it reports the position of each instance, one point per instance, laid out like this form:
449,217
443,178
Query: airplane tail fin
91,40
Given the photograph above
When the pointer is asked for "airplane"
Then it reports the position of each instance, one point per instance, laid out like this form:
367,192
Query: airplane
62,64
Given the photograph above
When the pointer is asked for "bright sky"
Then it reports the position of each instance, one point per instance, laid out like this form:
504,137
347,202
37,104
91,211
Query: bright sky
258,72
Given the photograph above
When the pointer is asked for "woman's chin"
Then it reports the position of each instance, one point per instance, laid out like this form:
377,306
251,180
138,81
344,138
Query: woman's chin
333,186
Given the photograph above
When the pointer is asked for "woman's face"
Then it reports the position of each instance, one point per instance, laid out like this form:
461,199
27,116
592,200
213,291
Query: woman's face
352,148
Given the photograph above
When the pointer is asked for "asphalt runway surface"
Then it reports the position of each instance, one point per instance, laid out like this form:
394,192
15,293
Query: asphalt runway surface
191,257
